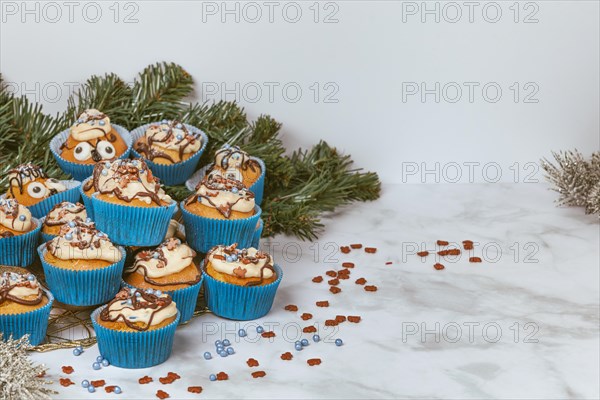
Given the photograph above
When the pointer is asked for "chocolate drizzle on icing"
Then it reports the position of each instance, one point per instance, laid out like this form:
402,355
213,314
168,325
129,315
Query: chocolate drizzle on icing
243,257
18,176
161,258
122,172
11,280
135,299
216,184
164,133
228,153
64,208
10,209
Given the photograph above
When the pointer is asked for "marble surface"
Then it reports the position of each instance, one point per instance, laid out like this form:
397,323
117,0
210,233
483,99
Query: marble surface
522,324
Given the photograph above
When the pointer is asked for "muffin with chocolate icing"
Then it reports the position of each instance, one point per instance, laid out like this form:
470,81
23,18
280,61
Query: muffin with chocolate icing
60,215
221,211
31,186
24,305
247,275
82,266
19,233
91,139
232,162
168,268
129,203
136,328
171,148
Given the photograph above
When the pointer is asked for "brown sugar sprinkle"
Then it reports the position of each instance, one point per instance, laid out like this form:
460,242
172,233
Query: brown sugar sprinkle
317,279
467,242
268,334
343,274
356,246
360,281
345,249
389,263
258,374
438,266
331,273
348,265
354,318
335,289
291,307
454,252
423,253
252,362
313,361
146,379
306,316
67,369
287,356
442,243
371,288
170,378
41,374
371,250
475,259
331,322
222,376
98,383
443,252
162,395
340,319
110,389
66,382
309,329
195,389
468,246
333,282
324,303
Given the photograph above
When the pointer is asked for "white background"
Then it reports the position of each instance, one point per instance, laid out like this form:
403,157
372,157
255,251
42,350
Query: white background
364,56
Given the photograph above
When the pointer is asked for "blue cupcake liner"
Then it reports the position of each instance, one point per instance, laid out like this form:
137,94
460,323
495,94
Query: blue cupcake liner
184,298
172,174
82,171
127,349
240,303
42,208
19,251
257,233
202,233
87,200
257,187
33,323
130,225
83,287
46,237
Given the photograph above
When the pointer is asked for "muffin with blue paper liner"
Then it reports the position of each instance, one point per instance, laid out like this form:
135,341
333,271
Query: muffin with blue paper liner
130,204
82,266
232,162
24,306
91,139
19,233
171,148
168,268
61,214
136,328
221,211
240,283
33,188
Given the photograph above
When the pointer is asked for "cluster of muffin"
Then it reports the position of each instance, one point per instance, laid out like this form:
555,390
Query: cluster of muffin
121,249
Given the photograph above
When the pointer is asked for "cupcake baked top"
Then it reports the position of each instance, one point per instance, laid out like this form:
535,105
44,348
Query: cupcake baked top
139,310
223,195
168,259
80,240
127,181
19,289
29,184
234,163
247,267
63,213
92,139
15,219
168,142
